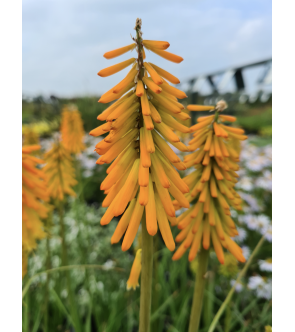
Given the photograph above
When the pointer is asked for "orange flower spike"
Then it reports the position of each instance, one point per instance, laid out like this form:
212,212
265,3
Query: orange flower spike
212,185
142,162
119,51
60,171
72,130
132,282
115,68
161,45
34,195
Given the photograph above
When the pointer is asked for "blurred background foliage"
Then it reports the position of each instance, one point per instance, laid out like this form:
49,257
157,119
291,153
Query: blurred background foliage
101,299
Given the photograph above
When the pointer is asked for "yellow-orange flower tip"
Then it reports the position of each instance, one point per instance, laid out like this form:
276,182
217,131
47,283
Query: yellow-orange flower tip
119,51
132,282
167,55
115,68
162,45
198,108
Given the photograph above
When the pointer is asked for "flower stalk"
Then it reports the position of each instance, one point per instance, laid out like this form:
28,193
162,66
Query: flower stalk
199,290
146,279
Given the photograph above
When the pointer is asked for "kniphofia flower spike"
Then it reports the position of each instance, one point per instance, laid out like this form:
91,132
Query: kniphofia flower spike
142,177
215,158
72,129
60,171
34,194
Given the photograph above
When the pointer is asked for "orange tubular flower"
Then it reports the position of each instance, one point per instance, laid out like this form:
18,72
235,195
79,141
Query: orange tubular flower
34,191
60,172
132,282
215,159
141,121
72,129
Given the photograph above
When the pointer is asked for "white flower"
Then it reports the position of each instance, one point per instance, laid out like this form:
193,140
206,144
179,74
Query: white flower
255,282
251,201
242,235
262,288
262,221
265,265
64,293
265,182
265,292
248,152
100,285
245,183
256,164
246,252
267,232
87,173
239,286
109,264
250,220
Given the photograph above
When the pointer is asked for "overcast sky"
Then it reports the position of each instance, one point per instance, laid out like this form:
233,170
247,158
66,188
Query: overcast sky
64,40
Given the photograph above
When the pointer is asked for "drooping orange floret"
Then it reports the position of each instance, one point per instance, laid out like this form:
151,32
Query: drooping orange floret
119,51
132,282
34,194
142,175
161,45
59,171
115,68
211,185
72,129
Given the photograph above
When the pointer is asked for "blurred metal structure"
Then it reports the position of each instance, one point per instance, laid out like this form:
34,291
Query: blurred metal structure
218,81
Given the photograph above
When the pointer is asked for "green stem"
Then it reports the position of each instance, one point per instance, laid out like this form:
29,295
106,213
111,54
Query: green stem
47,286
231,292
199,290
207,314
146,279
155,298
